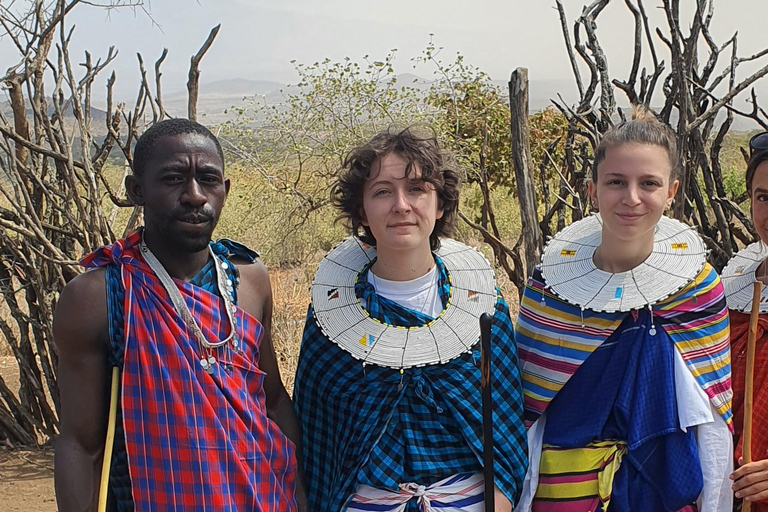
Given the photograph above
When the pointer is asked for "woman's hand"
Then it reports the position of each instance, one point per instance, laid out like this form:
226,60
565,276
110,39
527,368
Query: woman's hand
751,481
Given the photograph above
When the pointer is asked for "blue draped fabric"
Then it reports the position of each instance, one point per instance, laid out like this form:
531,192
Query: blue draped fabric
377,426
629,384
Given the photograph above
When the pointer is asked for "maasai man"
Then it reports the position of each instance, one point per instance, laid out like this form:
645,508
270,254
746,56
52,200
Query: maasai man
203,421
388,380
751,480
623,339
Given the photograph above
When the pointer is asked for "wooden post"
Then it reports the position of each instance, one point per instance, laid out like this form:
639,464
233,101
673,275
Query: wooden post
487,395
754,317
521,159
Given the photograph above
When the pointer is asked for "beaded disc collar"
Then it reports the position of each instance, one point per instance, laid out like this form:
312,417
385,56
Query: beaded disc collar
738,276
342,318
677,258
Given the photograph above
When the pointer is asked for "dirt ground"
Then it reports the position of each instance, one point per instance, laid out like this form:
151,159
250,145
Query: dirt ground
26,481
26,477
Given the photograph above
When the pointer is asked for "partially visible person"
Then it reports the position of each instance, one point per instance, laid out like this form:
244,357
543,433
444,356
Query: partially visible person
623,341
203,419
388,382
750,481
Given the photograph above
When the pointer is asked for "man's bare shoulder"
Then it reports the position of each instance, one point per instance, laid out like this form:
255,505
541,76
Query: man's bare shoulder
81,311
255,273
255,292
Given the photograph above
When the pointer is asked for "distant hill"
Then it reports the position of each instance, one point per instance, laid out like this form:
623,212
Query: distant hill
218,97
97,115
231,87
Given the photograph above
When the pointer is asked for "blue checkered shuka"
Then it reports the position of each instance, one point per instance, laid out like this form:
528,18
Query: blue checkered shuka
377,426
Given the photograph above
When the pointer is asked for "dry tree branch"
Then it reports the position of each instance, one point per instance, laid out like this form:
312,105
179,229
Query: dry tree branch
158,85
628,86
727,98
516,275
586,100
569,48
748,115
607,100
147,91
194,74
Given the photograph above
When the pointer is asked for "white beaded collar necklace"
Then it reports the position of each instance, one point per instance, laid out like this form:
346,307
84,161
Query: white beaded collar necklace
567,265
738,276
342,318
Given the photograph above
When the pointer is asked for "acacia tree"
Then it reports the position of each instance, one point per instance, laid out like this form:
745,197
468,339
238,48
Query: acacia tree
59,191
299,143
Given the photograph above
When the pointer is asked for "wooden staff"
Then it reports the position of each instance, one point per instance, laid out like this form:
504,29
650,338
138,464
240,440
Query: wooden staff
485,384
749,380
106,463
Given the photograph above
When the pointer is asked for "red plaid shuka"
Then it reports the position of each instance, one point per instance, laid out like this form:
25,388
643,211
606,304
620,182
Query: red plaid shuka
739,337
195,442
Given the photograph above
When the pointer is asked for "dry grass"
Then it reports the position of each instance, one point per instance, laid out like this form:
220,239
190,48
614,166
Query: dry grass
290,291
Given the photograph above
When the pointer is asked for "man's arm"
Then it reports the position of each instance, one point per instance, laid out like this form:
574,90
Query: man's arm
255,297
81,335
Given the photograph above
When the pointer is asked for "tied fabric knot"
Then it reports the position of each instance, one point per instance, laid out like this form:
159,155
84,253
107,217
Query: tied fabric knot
459,493
417,491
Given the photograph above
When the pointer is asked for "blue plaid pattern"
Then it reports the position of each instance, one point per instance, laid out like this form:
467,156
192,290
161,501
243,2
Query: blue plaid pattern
373,425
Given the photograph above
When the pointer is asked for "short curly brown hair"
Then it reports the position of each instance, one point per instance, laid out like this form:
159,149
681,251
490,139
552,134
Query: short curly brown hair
419,146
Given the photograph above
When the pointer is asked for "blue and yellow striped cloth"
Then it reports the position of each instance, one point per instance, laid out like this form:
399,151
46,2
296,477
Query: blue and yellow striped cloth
554,338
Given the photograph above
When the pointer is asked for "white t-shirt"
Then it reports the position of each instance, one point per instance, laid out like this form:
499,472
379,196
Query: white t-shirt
420,294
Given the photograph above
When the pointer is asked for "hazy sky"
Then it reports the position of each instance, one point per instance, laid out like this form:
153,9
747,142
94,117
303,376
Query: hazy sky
258,39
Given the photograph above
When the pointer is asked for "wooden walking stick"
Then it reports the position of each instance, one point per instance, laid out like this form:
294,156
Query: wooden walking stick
485,384
749,380
106,463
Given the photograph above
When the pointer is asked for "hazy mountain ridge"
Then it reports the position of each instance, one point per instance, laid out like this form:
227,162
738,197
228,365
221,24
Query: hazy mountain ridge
216,99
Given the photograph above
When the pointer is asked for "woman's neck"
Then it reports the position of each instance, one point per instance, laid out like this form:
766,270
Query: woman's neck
404,265
616,256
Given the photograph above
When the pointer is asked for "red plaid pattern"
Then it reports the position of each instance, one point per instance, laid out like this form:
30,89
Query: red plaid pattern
739,337
195,441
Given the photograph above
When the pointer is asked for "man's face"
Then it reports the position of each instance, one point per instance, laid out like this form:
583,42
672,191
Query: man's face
182,191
